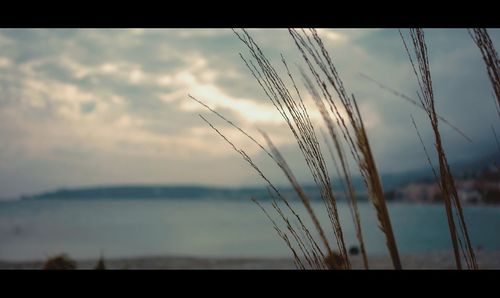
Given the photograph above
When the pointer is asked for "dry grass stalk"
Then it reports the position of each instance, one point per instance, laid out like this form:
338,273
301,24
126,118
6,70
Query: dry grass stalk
281,162
298,189
426,95
432,167
415,103
294,112
311,257
425,150
496,138
319,61
298,262
490,57
347,179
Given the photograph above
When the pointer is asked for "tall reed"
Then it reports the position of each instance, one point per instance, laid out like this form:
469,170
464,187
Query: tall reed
320,62
483,41
294,112
416,103
311,256
452,203
342,171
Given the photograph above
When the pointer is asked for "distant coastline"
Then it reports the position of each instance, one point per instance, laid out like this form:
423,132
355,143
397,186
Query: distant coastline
142,192
165,192
477,182
429,260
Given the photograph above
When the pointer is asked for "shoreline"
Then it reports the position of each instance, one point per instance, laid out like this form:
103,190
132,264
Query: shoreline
433,260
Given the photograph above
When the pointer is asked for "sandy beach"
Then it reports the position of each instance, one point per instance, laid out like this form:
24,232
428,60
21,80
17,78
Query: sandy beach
436,260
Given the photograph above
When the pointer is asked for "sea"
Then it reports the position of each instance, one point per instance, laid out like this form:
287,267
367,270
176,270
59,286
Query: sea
213,227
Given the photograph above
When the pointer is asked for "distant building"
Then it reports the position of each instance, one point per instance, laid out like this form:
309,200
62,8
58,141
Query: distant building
470,191
469,195
420,192
481,187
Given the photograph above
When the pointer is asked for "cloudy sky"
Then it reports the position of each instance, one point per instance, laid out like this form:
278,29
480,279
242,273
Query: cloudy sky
99,107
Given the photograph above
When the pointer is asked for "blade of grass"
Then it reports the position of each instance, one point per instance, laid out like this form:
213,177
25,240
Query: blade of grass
482,39
312,47
450,196
415,103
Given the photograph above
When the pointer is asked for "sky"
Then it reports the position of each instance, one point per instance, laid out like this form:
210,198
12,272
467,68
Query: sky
85,107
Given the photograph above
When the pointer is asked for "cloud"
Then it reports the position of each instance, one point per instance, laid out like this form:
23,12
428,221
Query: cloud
104,106
4,62
333,36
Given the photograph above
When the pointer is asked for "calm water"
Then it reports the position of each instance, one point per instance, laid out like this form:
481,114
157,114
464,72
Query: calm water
122,228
